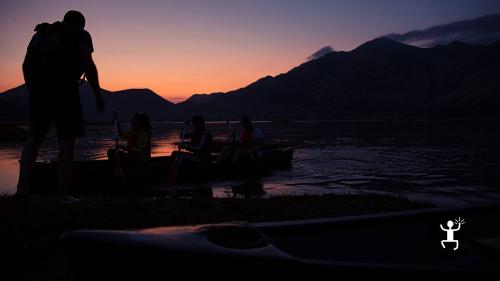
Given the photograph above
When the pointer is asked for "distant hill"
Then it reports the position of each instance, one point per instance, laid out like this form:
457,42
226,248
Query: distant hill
480,31
380,79
14,104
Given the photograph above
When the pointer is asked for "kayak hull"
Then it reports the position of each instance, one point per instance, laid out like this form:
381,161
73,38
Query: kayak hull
390,244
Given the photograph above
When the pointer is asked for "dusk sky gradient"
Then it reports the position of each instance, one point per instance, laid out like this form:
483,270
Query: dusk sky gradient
180,48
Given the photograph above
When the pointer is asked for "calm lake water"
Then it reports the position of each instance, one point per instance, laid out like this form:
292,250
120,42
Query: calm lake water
448,163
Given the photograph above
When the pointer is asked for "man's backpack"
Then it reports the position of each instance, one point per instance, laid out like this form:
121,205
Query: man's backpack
54,53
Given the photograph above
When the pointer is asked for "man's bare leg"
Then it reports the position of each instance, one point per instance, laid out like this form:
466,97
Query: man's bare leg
28,158
64,165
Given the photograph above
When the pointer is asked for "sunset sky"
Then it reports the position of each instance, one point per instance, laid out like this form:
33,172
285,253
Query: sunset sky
180,48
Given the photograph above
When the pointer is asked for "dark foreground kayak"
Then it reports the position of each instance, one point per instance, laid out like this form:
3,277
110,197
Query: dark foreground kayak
97,176
403,244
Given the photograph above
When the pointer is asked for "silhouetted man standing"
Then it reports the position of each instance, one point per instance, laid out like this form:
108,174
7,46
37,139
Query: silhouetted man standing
57,56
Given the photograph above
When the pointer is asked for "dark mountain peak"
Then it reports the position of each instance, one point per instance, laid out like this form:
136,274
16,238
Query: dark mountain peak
200,98
14,104
135,92
143,95
85,87
144,91
268,77
382,43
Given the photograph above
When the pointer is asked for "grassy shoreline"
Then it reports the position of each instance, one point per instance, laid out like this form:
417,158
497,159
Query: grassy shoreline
31,228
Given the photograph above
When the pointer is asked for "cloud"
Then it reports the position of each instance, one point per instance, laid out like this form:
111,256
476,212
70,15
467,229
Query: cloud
483,30
321,52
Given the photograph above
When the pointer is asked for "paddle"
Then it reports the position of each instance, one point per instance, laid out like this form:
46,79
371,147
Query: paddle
118,167
186,125
116,128
174,169
227,150
231,131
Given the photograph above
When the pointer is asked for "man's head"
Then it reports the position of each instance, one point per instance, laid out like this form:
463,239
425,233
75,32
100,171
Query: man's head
75,18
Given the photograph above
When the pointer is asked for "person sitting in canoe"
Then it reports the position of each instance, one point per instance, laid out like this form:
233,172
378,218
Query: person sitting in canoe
199,147
200,144
250,140
247,144
138,148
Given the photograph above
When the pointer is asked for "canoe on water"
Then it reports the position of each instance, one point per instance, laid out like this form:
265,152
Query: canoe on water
402,244
98,175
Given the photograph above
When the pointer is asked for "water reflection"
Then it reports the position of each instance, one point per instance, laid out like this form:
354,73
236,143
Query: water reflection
446,163
94,145
9,155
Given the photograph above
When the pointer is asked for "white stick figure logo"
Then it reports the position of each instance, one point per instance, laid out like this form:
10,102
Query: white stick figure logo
450,232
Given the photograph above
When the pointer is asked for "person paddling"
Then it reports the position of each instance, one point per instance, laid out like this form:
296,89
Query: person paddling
199,148
250,140
57,56
200,144
138,148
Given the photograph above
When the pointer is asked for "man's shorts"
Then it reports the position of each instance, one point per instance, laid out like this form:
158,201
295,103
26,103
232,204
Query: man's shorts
59,104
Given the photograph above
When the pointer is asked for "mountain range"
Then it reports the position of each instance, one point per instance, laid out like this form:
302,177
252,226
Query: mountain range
381,79
483,30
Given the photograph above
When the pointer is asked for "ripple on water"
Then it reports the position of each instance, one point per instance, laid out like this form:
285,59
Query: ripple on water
428,161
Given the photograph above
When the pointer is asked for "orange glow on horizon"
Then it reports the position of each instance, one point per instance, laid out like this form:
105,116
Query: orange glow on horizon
176,83
174,77
181,48
175,51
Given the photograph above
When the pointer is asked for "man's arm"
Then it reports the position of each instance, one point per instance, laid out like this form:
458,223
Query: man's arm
92,76
200,145
27,72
